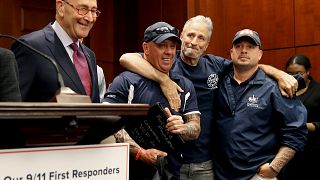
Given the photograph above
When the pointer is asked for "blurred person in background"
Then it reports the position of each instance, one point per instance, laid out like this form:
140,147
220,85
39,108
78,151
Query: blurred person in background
302,166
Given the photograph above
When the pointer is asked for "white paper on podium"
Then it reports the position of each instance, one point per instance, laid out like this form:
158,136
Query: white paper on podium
90,162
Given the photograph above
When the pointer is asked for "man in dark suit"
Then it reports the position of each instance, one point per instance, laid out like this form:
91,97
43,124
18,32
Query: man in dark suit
9,84
38,77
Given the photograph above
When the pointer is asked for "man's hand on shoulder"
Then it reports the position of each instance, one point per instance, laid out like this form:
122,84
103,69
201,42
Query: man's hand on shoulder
171,91
288,85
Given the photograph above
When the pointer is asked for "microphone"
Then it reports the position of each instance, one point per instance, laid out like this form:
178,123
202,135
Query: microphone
64,94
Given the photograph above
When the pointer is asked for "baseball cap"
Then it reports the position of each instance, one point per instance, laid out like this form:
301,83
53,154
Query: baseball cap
253,35
160,31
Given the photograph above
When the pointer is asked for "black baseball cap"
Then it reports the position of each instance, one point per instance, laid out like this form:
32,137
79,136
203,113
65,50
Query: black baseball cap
160,31
253,35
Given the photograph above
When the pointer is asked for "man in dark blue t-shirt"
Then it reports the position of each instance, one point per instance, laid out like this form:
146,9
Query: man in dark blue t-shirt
160,40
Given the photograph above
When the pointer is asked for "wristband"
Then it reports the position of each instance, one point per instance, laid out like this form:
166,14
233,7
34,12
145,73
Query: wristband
272,169
138,154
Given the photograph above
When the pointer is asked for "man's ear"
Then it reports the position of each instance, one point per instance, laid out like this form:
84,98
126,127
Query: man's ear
231,51
59,8
145,48
260,54
207,46
181,35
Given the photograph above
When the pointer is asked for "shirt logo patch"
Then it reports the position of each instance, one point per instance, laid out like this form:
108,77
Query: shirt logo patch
213,81
253,101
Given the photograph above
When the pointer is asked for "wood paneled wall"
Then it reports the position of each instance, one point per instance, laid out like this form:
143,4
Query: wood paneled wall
18,17
133,17
286,27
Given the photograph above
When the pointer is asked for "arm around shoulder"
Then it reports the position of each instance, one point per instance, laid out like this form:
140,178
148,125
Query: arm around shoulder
136,63
287,83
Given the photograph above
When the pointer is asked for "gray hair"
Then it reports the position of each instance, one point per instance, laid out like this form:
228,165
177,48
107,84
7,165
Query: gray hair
201,19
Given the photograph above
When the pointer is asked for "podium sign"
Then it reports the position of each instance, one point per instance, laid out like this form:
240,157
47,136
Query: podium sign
90,162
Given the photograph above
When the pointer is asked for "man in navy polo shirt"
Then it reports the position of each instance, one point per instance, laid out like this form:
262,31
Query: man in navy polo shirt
160,40
258,129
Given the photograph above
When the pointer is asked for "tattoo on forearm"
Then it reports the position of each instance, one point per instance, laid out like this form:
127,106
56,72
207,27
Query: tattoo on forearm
123,137
192,127
119,136
282,158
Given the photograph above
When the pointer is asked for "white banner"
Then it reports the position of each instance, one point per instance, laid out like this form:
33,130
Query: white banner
90,162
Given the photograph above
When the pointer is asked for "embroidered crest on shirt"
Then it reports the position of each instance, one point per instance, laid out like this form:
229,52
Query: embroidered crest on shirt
253,101
213,81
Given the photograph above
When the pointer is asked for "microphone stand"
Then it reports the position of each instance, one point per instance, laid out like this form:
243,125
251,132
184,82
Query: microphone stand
64,94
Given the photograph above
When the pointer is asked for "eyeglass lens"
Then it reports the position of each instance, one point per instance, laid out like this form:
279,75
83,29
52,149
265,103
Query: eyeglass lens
83,10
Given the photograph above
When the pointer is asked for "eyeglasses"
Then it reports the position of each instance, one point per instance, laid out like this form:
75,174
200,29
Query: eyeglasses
83,10
161,30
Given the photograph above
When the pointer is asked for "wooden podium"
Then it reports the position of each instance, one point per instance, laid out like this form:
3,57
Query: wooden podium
50,124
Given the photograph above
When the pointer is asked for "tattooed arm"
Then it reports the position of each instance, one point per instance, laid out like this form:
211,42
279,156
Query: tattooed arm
123,137
284,155
187,126
271,170
148,156
192,128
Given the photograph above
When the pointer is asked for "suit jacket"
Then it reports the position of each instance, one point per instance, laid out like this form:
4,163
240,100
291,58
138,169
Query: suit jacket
38,77
9,84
